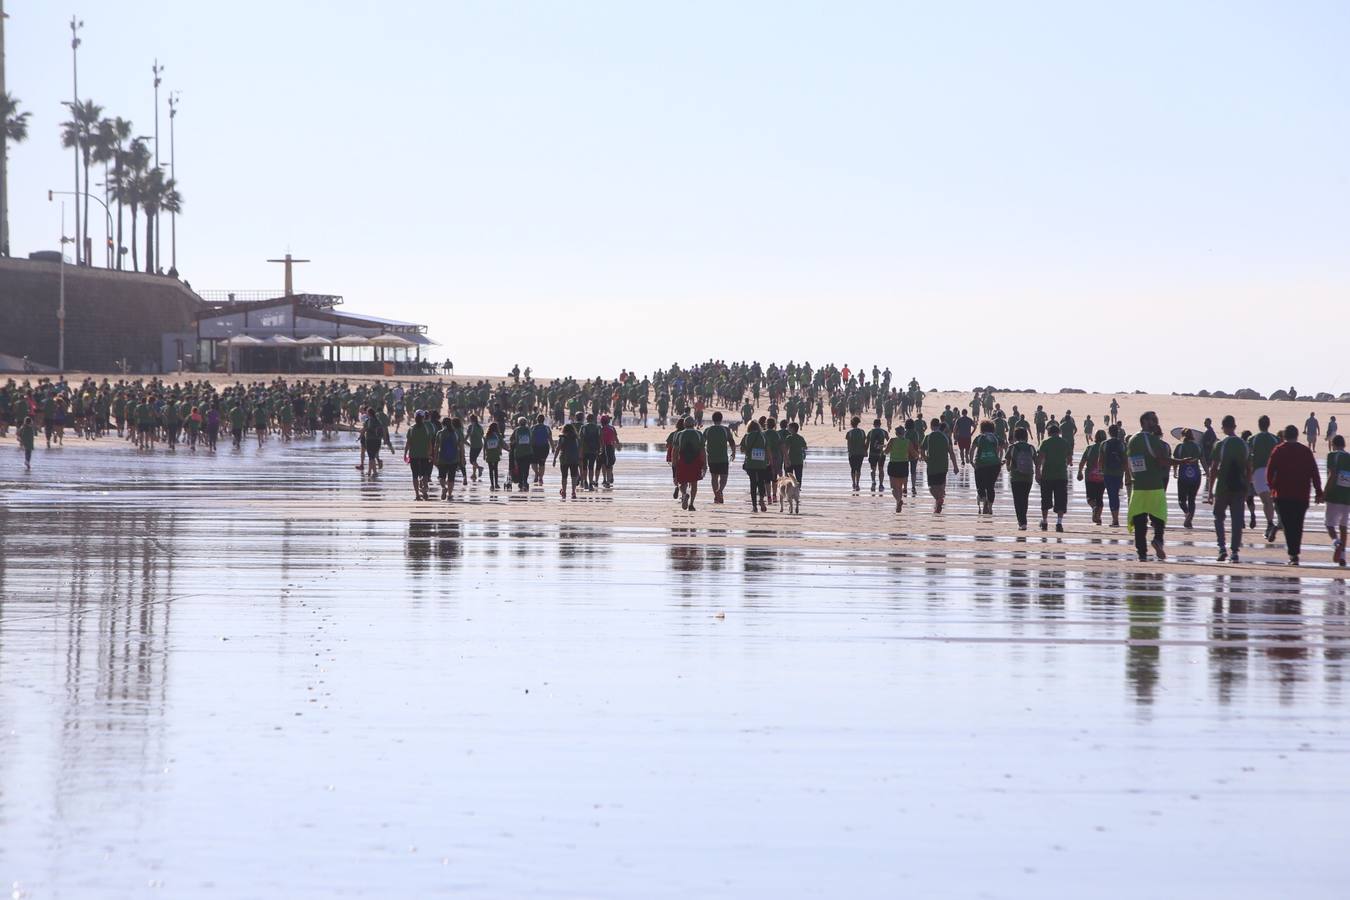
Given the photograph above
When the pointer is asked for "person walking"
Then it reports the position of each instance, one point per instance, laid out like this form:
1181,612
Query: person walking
1292,472
1337,495
1229,477
1090,471
1021,462
1186,457
984,453
1052,474
1312,428
1150,464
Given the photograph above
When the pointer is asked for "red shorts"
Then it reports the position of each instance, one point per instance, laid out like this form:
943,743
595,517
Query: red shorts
688,473
963,443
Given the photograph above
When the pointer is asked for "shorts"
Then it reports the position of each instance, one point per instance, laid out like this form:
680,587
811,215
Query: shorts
719,468
875,459
937,479
539,455
1095,491
145,429
1259,483
445,470
421,468
609,457
1338,515
855,463
689,472
897,469
473,454
963,443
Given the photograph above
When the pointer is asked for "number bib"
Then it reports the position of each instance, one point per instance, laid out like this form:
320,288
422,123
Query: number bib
757,454
1138,464
491,443
1343,478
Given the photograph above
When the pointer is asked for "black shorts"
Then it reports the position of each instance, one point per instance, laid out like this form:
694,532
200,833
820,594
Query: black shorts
855,463
719,468
445,470
145,429
609,457
937,479
539,455
421,468
875,459
897,469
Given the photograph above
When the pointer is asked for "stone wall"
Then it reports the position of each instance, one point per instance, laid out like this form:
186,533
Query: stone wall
109,315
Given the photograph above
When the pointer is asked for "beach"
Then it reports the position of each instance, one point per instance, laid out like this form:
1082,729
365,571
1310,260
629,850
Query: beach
259,672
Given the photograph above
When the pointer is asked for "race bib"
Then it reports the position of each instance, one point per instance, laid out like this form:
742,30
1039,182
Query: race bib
492,443
1189,472
1138,464
1343,479
757,454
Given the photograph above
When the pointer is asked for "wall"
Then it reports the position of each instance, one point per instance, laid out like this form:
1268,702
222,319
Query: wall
109,315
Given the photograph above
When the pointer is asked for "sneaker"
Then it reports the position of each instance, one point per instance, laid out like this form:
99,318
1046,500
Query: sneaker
1223,555
673,495
1159,549
1021,528
1059,526
1293,561
1271,531
1235,559
1045,526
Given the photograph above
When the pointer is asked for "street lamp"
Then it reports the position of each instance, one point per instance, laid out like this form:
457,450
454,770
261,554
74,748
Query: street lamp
157,69
173,177
51,195
75,26
61,308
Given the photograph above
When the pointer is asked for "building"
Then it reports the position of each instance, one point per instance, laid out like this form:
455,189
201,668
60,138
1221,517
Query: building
301,333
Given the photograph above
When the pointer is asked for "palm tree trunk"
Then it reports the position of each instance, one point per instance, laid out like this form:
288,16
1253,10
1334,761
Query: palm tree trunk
85,238
149,242
117,180
135,257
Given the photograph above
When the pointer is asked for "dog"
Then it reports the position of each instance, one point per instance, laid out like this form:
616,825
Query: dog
789,493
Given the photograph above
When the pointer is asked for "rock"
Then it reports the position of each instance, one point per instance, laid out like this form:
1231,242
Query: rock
1203,394
1221,395
1072,391
1324,397
1344,398
1280,395
1305,398
1248,394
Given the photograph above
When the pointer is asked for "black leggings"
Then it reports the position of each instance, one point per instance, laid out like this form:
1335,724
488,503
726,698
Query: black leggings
1292,513
523,469
1186,491
494,477
1021,491
571,470
986,477
759,484
1140,524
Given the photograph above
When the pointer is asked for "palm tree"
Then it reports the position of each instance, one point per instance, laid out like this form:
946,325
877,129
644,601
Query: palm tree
13,127
79,133
111,146
131,186
160,194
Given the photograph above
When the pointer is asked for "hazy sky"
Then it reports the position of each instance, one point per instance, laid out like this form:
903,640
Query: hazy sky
1025,194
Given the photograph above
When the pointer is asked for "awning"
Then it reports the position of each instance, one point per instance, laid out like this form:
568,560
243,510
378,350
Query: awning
353,340
314,340
242,340
390,340
281,340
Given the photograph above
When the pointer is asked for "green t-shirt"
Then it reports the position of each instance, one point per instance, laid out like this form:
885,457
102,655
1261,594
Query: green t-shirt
492,447
900,449
716,440
937,450
876,441
856,439
755,450
773,441
419,443
1338,477
26,435
688,444
1147,472
475,436
1231,454
1262,443
1054,454
522,448
1189,453
796,449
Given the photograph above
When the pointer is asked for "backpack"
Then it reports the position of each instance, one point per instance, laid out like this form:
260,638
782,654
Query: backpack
689,449
1024,459
1113,454
988,453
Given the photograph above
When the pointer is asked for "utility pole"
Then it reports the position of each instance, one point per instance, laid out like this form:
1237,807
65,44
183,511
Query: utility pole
75,26
61,309
4,149
173,176
158,70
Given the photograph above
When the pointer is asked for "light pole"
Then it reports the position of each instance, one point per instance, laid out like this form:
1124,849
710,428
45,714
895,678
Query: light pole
61,308
173,177
157,69
51,195
4,149
75,26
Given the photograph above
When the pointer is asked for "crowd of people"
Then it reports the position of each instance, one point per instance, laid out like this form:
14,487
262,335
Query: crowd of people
508,433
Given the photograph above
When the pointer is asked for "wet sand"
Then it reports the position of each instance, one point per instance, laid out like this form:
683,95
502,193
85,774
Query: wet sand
260,673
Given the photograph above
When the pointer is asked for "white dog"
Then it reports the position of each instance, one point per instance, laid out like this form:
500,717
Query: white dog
789,493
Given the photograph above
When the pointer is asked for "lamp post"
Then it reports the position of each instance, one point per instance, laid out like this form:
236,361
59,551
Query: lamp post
157,69
107,213
61,308
75,26
173,176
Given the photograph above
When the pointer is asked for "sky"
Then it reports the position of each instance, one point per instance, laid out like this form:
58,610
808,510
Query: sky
1148,196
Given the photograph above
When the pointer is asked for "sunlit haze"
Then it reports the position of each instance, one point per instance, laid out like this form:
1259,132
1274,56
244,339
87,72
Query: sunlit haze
1052,195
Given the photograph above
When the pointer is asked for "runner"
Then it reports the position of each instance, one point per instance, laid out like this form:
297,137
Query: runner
1021,462
964,430
541,445
1229,477
1337,495
1186,457
794,453
1113,470
877,439
1091,464
370,438
417,453
1262,443
900,450
936,451
26,436
856,442
492,455
448,453
691,463
755,451
590,453
609,449
522,455
568,449
720,449
1292,471
1052,474
1150,463
1312,428
983,452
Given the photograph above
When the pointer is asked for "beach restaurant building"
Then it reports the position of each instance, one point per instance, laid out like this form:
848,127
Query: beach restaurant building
299,333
